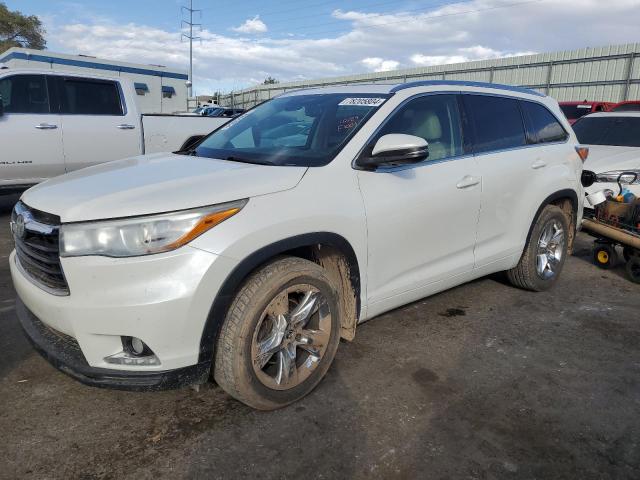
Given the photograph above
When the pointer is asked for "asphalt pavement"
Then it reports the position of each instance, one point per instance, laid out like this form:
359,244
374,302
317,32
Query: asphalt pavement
482,381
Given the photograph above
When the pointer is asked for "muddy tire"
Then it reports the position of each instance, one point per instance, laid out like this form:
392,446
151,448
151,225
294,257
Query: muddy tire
280,334
545,252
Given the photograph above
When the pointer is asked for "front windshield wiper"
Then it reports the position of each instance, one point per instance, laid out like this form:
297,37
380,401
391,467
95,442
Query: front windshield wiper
248,160
189,151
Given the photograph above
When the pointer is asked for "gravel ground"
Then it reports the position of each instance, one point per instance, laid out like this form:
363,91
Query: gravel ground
482,381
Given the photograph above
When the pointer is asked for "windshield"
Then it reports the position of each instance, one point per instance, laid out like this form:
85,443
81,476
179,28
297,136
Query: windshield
575,111
300,130
620,131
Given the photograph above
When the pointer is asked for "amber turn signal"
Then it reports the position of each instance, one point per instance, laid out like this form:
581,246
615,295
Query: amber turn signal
583,153
203,225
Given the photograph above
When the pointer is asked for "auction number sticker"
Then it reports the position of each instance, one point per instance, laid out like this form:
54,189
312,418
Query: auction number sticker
362,102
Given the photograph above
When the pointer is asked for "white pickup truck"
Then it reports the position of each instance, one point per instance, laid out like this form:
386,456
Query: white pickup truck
54,122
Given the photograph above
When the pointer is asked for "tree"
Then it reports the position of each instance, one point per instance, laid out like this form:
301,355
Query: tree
270,81
18,30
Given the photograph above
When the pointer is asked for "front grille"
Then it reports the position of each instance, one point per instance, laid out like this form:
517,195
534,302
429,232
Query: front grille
36,235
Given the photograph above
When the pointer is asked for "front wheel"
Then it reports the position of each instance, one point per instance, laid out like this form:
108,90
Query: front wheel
280,335
545,252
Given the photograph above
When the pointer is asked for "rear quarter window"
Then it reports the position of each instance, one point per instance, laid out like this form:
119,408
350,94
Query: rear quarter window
543,126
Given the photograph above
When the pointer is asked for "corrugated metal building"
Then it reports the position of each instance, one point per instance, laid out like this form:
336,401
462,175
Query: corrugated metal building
609,73
159,89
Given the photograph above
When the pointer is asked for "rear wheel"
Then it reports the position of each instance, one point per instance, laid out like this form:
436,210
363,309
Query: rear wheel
633,269
545,252
280,335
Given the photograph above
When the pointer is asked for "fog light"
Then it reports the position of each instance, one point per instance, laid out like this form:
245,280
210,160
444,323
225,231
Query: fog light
134,352
135,346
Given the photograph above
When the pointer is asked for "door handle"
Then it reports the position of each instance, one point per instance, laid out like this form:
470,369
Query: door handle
468,181
46,126
126,126
538,164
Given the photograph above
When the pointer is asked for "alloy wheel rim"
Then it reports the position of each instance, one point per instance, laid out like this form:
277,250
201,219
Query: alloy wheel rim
550,250
291,337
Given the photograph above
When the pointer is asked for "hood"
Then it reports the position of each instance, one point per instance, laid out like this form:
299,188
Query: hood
154,184
603,158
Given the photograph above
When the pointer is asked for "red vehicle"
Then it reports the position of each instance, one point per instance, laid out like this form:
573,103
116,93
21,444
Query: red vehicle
628,106
574,110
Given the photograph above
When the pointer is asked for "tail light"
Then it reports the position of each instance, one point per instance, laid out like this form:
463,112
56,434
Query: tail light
583,153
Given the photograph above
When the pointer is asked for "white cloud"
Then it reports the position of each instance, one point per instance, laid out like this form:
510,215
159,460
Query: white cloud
377,64
473,30
465,54
252,25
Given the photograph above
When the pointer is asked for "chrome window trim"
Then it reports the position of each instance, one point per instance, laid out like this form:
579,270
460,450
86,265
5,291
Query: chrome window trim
528,145
427,162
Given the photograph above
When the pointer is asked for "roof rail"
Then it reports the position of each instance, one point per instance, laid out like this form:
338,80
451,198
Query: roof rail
496,86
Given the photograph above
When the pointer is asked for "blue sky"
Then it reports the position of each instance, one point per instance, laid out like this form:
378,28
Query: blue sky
246,40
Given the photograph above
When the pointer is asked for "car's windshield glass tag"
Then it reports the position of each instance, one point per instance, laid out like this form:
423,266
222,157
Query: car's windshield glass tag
362,102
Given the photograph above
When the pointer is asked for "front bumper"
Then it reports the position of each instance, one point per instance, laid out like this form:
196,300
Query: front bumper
63,352
162,299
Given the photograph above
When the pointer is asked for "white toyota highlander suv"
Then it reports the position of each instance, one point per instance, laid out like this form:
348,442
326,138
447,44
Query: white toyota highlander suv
248,257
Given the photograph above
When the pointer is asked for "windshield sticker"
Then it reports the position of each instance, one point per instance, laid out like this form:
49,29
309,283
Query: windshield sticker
348,123
362,102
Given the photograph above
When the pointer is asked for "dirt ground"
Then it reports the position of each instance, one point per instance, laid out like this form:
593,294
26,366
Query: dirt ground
482,381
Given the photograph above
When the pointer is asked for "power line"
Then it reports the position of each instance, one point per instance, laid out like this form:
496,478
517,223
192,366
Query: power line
191,38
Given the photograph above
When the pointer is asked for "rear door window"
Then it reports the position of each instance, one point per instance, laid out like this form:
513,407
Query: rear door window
24,94
543,125
90,97
496,121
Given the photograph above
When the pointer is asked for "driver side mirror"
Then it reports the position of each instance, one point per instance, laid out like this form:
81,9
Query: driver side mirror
396,149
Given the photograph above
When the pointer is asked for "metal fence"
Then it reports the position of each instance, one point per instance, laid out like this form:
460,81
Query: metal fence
609,73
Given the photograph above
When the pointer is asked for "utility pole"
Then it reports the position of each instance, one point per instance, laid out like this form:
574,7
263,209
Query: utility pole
191,38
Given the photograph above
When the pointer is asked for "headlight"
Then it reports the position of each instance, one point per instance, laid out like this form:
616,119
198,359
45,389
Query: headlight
626,176
130,237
